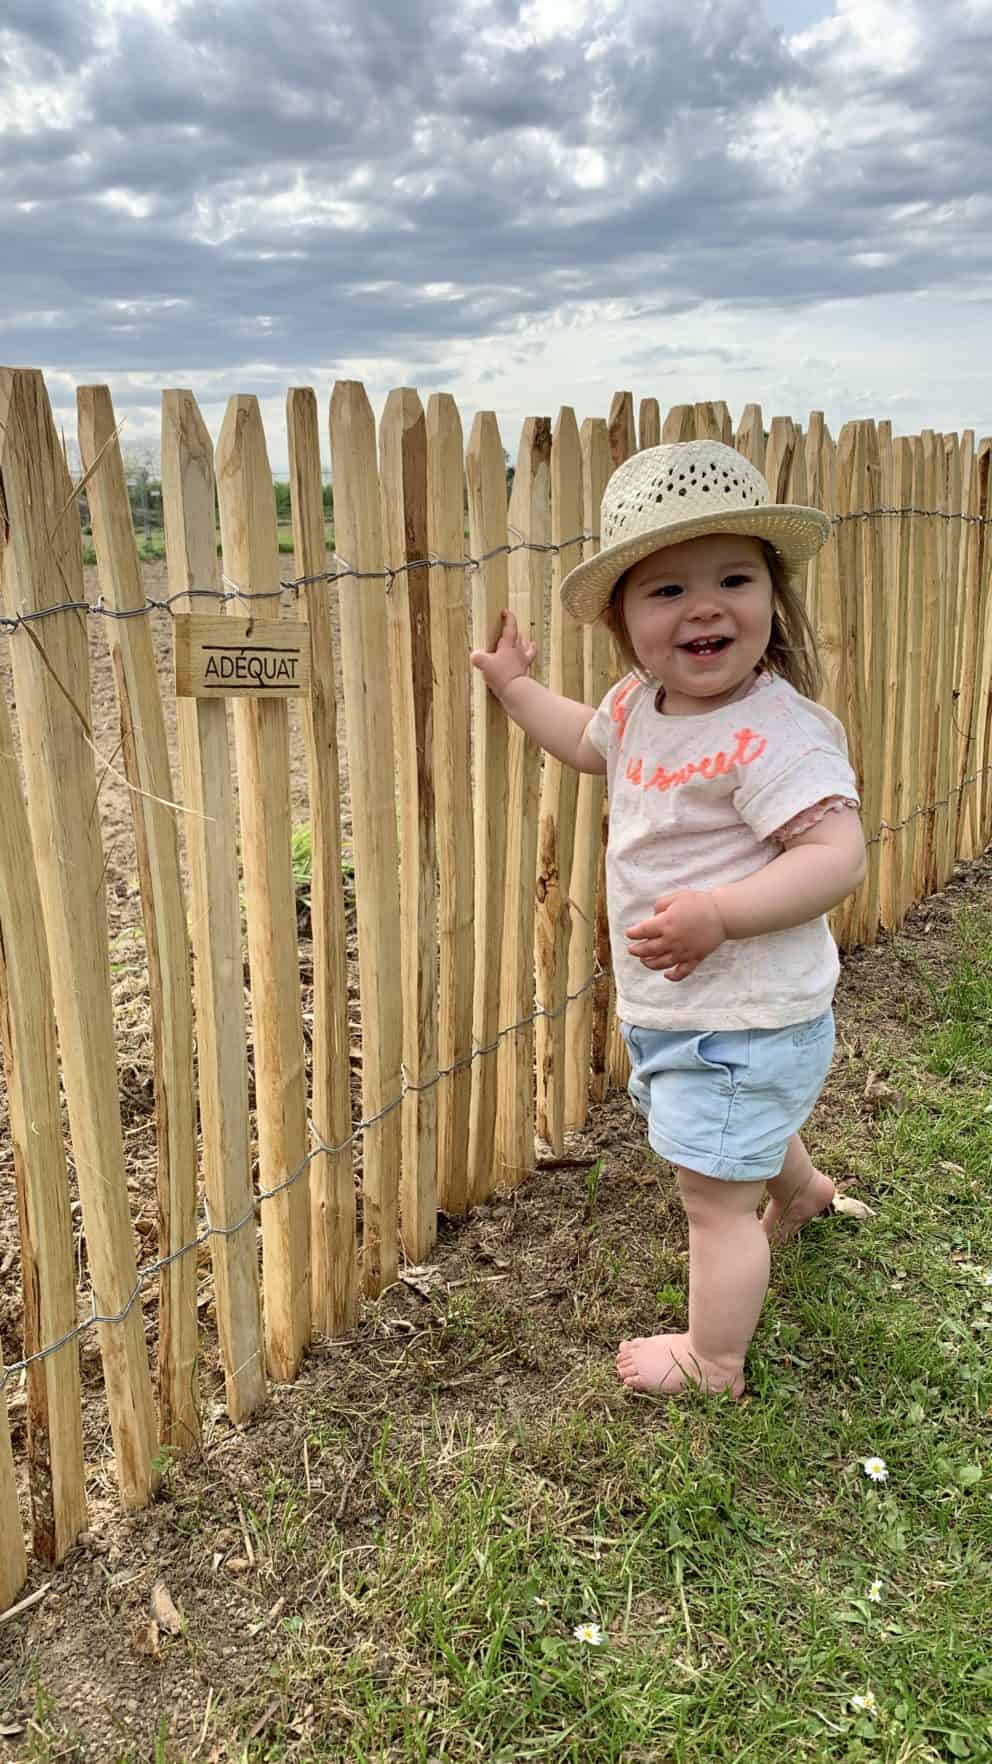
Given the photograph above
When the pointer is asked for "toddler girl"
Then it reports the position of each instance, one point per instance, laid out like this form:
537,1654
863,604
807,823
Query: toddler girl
733,830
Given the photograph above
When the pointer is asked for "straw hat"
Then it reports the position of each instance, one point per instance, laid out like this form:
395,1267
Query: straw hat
682,491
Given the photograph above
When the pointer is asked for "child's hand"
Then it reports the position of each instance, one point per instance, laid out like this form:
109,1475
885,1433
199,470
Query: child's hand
510,660
685,929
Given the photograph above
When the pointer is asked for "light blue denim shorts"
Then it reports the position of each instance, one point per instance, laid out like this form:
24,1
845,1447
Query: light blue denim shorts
725,1102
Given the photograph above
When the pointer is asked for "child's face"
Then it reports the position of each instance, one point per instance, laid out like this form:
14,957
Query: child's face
699,618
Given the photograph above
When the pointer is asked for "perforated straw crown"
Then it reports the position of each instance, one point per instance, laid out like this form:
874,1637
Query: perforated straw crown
684,490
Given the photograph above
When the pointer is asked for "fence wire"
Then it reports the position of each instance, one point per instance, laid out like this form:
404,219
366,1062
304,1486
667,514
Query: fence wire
388,575
231,591
322,1148
319,1149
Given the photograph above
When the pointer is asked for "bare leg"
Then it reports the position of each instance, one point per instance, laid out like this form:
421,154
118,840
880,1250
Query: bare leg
728,1279
798,1193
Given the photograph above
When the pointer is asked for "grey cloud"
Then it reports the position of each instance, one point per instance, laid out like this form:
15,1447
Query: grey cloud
463,151
60,29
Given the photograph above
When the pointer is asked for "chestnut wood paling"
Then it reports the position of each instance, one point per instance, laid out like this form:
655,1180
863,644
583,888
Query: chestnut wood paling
978,641
932,662
858,586
910,834
453,794
779,454
589,827
559,792
797,491
750,436
968,640
828,620
529,520
485,474
622,444
981,767
146,762
42,567
261,733
897,490
708,423
679,425
56,1474
333,1240
368,719
873,658
13,1556
403,475
813,457
948,773
648,425
210,834
622,432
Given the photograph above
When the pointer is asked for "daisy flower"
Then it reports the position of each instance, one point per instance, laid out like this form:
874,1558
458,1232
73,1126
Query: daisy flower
866,1704
875,1468
875,1592
590,1633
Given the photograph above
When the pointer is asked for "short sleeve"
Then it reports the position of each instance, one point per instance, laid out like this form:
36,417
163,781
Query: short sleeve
809,818
798,767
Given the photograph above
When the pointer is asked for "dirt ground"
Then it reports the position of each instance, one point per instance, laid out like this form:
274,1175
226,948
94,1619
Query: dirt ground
81,1652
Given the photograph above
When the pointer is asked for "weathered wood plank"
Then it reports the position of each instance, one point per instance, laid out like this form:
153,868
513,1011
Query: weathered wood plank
589,832
453,795
485,475
368,718
261,732
210,834
48,1273
13,1556
42,567
403,474
333,1221
559,791
529,520
146,763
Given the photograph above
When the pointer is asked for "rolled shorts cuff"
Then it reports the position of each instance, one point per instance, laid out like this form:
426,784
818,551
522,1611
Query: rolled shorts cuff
735,1169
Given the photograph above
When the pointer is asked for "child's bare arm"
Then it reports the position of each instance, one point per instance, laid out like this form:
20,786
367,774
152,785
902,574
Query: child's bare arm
557,724
818,871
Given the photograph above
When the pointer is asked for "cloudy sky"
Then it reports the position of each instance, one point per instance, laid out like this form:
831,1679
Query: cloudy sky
525,202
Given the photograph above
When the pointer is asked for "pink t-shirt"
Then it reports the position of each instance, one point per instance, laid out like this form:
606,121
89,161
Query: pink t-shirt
699,801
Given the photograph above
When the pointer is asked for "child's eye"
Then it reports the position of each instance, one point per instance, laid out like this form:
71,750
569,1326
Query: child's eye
666,590
734,581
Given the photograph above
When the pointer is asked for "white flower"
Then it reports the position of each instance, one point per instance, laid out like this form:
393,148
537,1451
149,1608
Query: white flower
866,1703
589,1632
985,1276
875,1592
541,1603
876,1468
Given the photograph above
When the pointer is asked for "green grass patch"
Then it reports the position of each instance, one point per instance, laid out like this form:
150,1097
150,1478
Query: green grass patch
528,1563
748,1580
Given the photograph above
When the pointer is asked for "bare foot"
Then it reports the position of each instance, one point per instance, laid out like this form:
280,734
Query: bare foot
783,1217
667,1363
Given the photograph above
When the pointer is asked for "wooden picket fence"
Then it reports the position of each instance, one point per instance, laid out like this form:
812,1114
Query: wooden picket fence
482,953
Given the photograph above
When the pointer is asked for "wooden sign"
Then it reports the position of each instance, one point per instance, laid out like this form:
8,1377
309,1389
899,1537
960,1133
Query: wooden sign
241,658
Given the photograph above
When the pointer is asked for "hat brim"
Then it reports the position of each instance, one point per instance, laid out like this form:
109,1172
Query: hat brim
797,534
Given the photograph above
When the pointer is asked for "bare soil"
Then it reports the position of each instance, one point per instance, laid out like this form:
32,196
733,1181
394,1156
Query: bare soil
78,1671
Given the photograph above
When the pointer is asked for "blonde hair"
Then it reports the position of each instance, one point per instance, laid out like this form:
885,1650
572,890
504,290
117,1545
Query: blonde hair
791,651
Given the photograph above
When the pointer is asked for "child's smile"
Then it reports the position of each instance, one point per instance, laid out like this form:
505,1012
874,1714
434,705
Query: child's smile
699,618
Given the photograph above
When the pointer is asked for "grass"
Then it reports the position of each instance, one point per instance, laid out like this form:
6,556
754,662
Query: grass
726,1552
